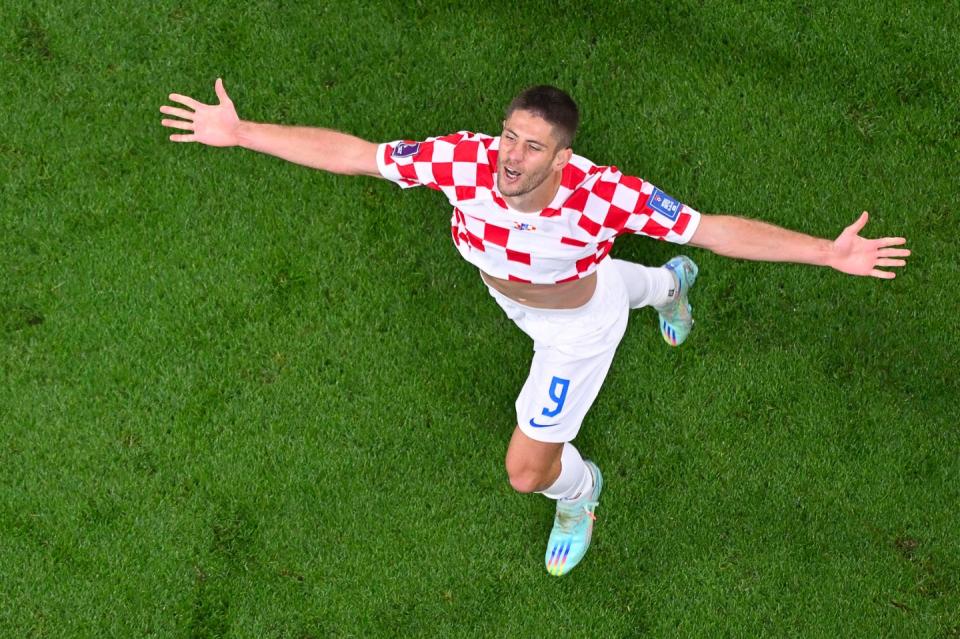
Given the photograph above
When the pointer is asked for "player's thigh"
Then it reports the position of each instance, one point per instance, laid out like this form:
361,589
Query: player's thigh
559,392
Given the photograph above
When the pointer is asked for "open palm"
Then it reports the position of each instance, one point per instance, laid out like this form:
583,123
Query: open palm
859,256
211,124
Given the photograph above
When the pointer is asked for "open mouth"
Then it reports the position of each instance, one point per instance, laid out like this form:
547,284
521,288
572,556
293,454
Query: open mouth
511,174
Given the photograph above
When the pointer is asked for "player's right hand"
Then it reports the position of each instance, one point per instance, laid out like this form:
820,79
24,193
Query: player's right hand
211,124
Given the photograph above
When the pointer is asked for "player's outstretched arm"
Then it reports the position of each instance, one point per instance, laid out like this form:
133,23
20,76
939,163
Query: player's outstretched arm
755,240
219,125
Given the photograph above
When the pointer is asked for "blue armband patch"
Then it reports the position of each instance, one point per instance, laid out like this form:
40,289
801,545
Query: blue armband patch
404,150
664,204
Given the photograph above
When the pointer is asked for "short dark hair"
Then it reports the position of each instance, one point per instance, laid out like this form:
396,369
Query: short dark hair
554,106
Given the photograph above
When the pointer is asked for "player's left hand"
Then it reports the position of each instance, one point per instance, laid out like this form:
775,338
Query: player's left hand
859,256
210,124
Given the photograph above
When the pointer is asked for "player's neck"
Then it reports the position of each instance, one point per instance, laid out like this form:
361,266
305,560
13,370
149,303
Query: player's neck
537,199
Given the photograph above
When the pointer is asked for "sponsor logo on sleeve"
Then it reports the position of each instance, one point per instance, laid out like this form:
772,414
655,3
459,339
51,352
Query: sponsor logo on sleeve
664,204
404,150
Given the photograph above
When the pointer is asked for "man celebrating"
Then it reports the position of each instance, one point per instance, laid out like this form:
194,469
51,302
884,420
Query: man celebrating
538,222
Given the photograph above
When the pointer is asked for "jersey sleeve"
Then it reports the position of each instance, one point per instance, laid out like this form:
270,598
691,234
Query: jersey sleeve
650,211
456,161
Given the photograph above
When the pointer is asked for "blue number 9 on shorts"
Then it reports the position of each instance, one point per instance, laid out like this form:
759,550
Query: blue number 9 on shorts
558,393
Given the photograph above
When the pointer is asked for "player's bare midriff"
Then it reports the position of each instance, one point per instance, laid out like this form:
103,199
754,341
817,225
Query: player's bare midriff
566,295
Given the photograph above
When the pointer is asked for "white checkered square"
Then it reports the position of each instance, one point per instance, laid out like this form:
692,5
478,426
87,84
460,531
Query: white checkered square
465,173
625,197
442,152
596,208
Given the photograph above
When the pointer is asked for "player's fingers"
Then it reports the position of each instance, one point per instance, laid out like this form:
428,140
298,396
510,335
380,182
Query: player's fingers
883,261
883,275
857,226
183,138
180,113
890,252
220,91
177,124
889,241
184,99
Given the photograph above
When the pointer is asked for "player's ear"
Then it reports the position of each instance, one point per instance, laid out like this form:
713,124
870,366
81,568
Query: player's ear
562,157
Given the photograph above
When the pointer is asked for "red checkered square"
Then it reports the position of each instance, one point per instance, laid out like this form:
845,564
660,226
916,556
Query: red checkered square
466,192
518,256
633,183
475,241
681,224
443,173
408,171
616,218
604,190
603,249
495,234
453,138
424,153
572,242
653,229
483,176
588,225
467,151
577,200
586,263
572,176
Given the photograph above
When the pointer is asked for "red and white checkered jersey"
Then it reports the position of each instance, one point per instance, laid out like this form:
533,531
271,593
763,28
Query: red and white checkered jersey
563,242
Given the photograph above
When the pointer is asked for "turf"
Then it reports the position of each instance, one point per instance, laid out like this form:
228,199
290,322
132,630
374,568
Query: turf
241,398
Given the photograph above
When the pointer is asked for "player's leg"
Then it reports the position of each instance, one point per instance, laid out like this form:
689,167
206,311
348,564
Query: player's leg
573,350
557,471
553,469
533,466
666,289
541,458
646,285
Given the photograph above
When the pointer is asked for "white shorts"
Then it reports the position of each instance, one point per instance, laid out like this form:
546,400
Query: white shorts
573,350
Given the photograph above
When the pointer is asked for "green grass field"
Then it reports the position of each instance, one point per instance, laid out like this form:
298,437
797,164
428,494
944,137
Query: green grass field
240,398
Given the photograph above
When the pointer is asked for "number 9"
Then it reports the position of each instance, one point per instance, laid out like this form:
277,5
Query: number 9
558,393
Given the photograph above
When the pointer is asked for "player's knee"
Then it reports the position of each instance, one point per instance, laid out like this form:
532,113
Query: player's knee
524,482
523,478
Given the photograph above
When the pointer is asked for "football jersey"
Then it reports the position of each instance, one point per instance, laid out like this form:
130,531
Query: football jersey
563,242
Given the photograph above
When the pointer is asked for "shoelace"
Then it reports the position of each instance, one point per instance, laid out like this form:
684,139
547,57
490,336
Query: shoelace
569,517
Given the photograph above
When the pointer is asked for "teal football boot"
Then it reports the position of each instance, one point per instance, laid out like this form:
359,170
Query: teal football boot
676,317
573,527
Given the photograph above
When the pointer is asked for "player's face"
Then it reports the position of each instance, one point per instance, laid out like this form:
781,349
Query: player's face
529,154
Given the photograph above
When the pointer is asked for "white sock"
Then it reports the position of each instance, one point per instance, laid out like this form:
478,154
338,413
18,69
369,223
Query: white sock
575,478
646,286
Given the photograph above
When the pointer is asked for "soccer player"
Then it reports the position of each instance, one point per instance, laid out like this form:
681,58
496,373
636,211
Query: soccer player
538,222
